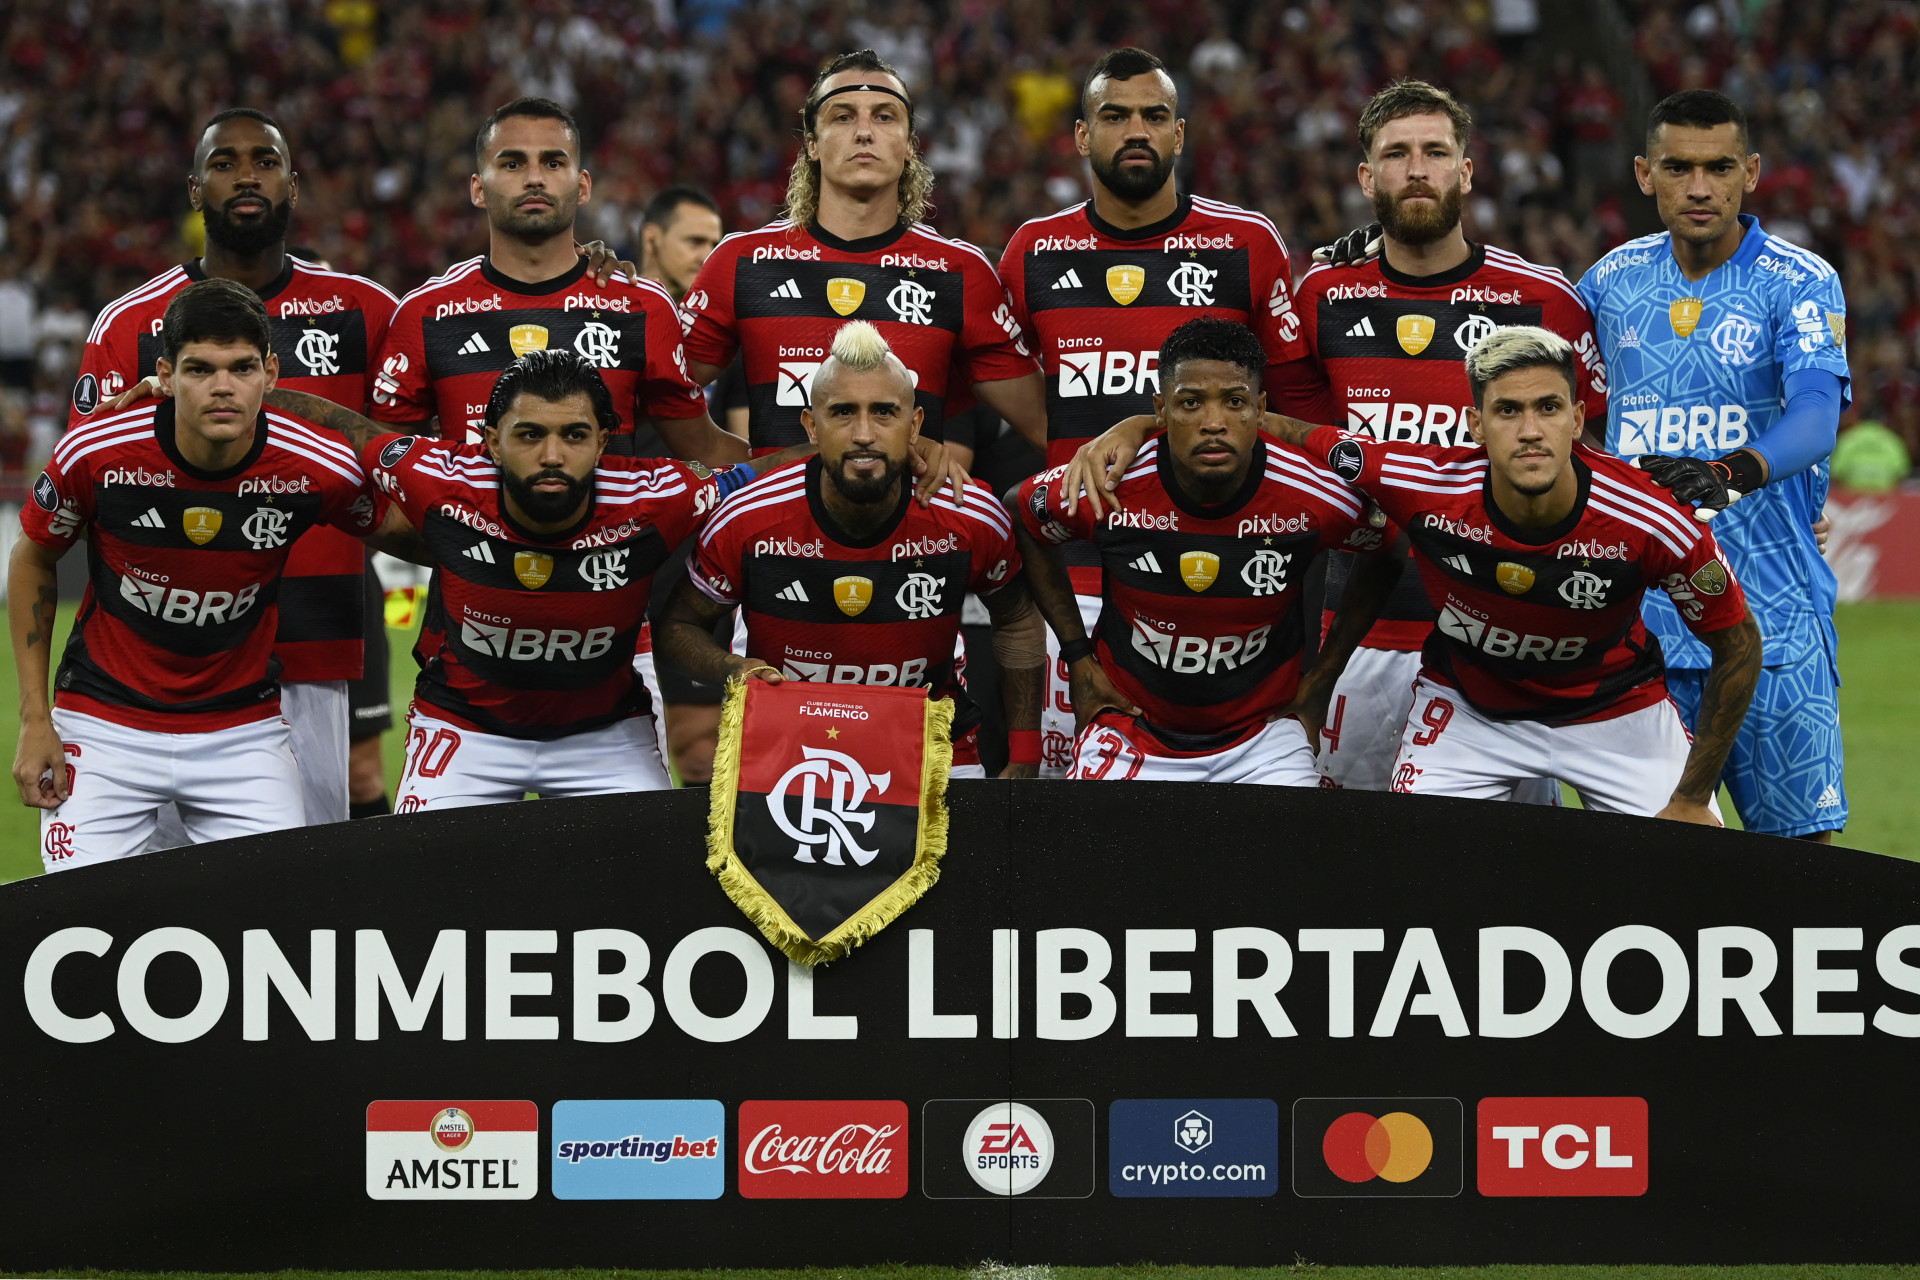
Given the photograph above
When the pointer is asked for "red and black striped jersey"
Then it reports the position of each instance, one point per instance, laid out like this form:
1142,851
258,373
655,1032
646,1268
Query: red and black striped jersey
1096,302
325,326
778,295
823,605
1201,623
1392,349
176,630
528,636
453,335
1542,624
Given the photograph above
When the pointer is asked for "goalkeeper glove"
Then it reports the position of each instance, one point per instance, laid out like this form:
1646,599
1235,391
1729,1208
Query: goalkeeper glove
1712,486
1357,246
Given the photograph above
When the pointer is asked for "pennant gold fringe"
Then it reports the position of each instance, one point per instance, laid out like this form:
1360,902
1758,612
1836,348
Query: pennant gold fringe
759,905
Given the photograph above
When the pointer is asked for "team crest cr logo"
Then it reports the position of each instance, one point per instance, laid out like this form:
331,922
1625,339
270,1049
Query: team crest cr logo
1735,338
918,596
527,337
265,529
1414,332
913,303
845,294
606,570
1266,572
1192,284
1126,282
1471,332
831,787
452,1129
59,841
1514,579
202,524
1585,590
853,595
318,351
1198,569
598,344
1685,314
533,568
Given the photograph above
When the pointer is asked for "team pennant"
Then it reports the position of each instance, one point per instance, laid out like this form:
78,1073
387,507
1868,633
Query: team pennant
829,813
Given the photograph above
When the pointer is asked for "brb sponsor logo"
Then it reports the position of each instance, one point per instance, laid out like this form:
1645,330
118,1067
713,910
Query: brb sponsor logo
1109,373
1377,1147
988,1148
1675,429
453,1150
639,1150
1442,425
823,1150
1193,1147
1563,1146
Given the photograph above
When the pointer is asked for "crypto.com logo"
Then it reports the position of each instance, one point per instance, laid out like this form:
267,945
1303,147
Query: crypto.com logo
831,788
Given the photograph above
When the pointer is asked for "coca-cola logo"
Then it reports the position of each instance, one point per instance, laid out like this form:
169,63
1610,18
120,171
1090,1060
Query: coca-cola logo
840,1150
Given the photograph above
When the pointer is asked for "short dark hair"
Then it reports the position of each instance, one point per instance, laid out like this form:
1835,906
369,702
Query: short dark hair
552,374
1405,98
1698,109
661,209
1211,338
215,311
238,113
533,108
858,60
1120,64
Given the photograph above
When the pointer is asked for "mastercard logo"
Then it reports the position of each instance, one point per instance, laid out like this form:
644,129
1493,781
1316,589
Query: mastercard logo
1396,1147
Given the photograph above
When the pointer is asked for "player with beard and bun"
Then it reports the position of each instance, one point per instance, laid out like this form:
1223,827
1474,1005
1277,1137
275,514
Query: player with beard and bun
1098,287
852,246
1195,676
325,325
842,579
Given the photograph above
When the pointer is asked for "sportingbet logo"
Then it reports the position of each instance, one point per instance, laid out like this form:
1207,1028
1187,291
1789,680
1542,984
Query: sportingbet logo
1682,429
453,1150
639,1150
1443,425
823,1150
1109,373
188,608
1563,1146
1192,655
141,476
1498,642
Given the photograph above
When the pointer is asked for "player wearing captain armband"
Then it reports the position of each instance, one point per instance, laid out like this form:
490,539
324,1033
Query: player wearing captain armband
1727,352
843,579
1194,671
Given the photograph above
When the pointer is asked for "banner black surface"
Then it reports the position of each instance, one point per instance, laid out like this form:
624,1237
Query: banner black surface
1223,1025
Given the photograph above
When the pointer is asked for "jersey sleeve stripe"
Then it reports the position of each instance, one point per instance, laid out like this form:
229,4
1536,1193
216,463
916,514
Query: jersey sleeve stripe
1236,213
313,270
1391,483
1596,503
1518,265
159,284
1474,466
353,475
1675,522
707,589
1806,258
749,499
141,417
1343,502
326,443
948,242
1067,212
458,271
106,442
1326,481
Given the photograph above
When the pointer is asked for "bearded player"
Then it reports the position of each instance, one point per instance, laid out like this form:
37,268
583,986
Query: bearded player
1195,672
168,692
842,579
1098,287
1537,551
324,327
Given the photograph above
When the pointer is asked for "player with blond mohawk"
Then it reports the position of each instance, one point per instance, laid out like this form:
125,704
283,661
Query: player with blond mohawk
843,579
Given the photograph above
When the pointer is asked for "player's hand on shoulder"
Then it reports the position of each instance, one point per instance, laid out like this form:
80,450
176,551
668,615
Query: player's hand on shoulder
934,466
147,388
1688,811
1098,465
1695,480
40,765
602,262
1092,692
1362,244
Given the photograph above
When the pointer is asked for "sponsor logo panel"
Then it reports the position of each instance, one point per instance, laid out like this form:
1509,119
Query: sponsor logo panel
639,1150
453,1150
837,1150
1562,1146
1377,1147
1188,1147
994,1148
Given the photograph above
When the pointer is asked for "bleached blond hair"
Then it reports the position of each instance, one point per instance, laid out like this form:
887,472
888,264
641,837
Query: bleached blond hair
858,347
1516,347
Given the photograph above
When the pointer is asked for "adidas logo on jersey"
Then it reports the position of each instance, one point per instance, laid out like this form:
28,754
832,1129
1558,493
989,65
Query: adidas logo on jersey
474,346
1362,330
1829,799
1146,564
1071,280
791,289
481,551
1631,338
794,592
151,520
1460,562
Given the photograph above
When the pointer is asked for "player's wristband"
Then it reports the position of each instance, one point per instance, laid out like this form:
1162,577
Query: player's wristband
1023,746
1742,469
1071,651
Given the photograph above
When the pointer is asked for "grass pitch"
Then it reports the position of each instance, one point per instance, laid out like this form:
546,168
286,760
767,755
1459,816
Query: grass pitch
1879,714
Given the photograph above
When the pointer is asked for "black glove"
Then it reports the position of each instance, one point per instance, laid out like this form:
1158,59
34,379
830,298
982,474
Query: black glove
1352,249
1711,486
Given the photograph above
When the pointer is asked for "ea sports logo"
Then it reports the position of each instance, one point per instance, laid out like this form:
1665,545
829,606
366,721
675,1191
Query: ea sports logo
452,1129
1396,1147
1008,1149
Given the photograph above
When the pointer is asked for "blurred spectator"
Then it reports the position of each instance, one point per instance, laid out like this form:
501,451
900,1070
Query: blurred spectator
1868,458
18,308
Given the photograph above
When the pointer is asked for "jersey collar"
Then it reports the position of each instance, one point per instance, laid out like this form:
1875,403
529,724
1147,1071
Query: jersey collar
1476,259
538,288
865,244
1553,532
164,431
1751,242
197,273
1256,472
831,527
1181,209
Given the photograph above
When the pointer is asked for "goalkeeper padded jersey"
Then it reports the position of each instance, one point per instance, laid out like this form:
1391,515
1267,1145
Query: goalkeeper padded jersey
1697,369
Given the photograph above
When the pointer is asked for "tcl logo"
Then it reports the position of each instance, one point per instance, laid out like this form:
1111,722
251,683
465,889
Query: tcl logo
1563,1146
823,1150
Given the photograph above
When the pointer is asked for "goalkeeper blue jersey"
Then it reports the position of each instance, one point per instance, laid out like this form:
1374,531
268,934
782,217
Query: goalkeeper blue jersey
1696,368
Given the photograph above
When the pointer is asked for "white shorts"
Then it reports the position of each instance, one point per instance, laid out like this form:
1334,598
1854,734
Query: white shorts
322,721
1057,745
644,668
226,783
1629,764
1115,749
452,768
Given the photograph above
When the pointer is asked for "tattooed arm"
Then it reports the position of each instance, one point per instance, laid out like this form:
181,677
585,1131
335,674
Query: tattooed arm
356,428
1723,705
1045,572
1020,647
33,594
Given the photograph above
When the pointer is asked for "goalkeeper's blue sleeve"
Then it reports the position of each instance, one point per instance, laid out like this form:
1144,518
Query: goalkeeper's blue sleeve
1805,431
